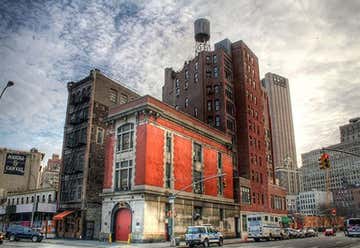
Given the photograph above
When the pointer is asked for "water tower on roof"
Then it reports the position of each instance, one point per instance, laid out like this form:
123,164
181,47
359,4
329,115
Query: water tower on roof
202,35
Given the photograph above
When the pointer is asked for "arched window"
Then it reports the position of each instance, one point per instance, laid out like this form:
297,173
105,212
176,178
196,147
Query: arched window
125,134
186,102
43,198
49,198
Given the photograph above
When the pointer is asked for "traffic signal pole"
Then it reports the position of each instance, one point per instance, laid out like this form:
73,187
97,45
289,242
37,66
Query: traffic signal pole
341,151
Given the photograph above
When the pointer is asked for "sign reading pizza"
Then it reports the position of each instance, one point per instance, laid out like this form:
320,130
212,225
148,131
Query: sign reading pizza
15,164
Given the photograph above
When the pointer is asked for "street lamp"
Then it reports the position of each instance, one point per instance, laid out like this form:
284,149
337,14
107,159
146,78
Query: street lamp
9,84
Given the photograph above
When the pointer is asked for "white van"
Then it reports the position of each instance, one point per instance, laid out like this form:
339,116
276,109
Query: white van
265,226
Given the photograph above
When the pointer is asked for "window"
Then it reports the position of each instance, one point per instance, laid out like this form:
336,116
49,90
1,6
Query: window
196,77
217,104
13,201
196,112
32,199
229,92
221,214
229,108
208,73
113,95
49,199
219,161
168,160
220,185
214,59
208,90
123,175
217,121
217,89
230,124
186,85
197,153
22,200
186,102
186,74
196,66
100,135
210,120
168,174
177,91
27,200
208,59
197,168
125,137
244,223
177,83
168,143
43,198
197,213
216,72
123,98
17,201
209,105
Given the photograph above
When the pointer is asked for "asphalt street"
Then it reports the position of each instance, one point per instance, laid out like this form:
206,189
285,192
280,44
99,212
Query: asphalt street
317,242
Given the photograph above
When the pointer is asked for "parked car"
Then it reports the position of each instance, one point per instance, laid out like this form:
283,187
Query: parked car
330,232
291,233
1,238
300,233
310,232
203,235
16,232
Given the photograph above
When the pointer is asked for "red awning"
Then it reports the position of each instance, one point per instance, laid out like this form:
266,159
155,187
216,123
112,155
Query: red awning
62,215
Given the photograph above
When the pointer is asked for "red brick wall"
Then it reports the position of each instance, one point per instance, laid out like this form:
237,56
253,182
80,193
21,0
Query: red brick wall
182,162
109,160
210,169
154,156
228,170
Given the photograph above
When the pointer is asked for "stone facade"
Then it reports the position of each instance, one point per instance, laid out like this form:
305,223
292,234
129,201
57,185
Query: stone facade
161,161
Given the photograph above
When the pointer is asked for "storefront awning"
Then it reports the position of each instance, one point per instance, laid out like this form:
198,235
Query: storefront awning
62,215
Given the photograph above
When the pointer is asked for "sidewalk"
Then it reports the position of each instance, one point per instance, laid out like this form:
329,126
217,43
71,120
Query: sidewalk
98,244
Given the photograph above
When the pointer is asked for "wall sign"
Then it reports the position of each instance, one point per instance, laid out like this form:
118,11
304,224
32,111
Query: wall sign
15,164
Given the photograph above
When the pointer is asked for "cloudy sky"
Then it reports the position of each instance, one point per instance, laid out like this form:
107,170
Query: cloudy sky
44,44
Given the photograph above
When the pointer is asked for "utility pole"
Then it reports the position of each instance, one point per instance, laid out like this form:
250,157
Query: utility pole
172,198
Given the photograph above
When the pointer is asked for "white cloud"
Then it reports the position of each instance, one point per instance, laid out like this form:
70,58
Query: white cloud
313,43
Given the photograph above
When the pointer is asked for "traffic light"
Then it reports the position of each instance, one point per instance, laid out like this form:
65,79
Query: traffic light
321,163
324,161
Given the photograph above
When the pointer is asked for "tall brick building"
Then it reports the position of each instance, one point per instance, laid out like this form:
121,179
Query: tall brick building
82,168
222,88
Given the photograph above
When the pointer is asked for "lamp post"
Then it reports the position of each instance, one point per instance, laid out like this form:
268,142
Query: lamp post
9,84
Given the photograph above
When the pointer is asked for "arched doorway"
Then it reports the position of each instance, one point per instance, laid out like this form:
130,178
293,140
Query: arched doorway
122,224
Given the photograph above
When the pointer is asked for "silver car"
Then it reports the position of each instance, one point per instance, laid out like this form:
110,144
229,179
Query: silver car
203,235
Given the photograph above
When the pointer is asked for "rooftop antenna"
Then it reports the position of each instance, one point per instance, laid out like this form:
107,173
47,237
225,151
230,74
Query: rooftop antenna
202,35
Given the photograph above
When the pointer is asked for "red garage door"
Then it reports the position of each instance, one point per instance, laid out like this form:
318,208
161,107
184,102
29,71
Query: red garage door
123,224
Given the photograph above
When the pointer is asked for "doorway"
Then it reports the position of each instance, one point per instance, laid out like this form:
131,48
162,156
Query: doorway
122,224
